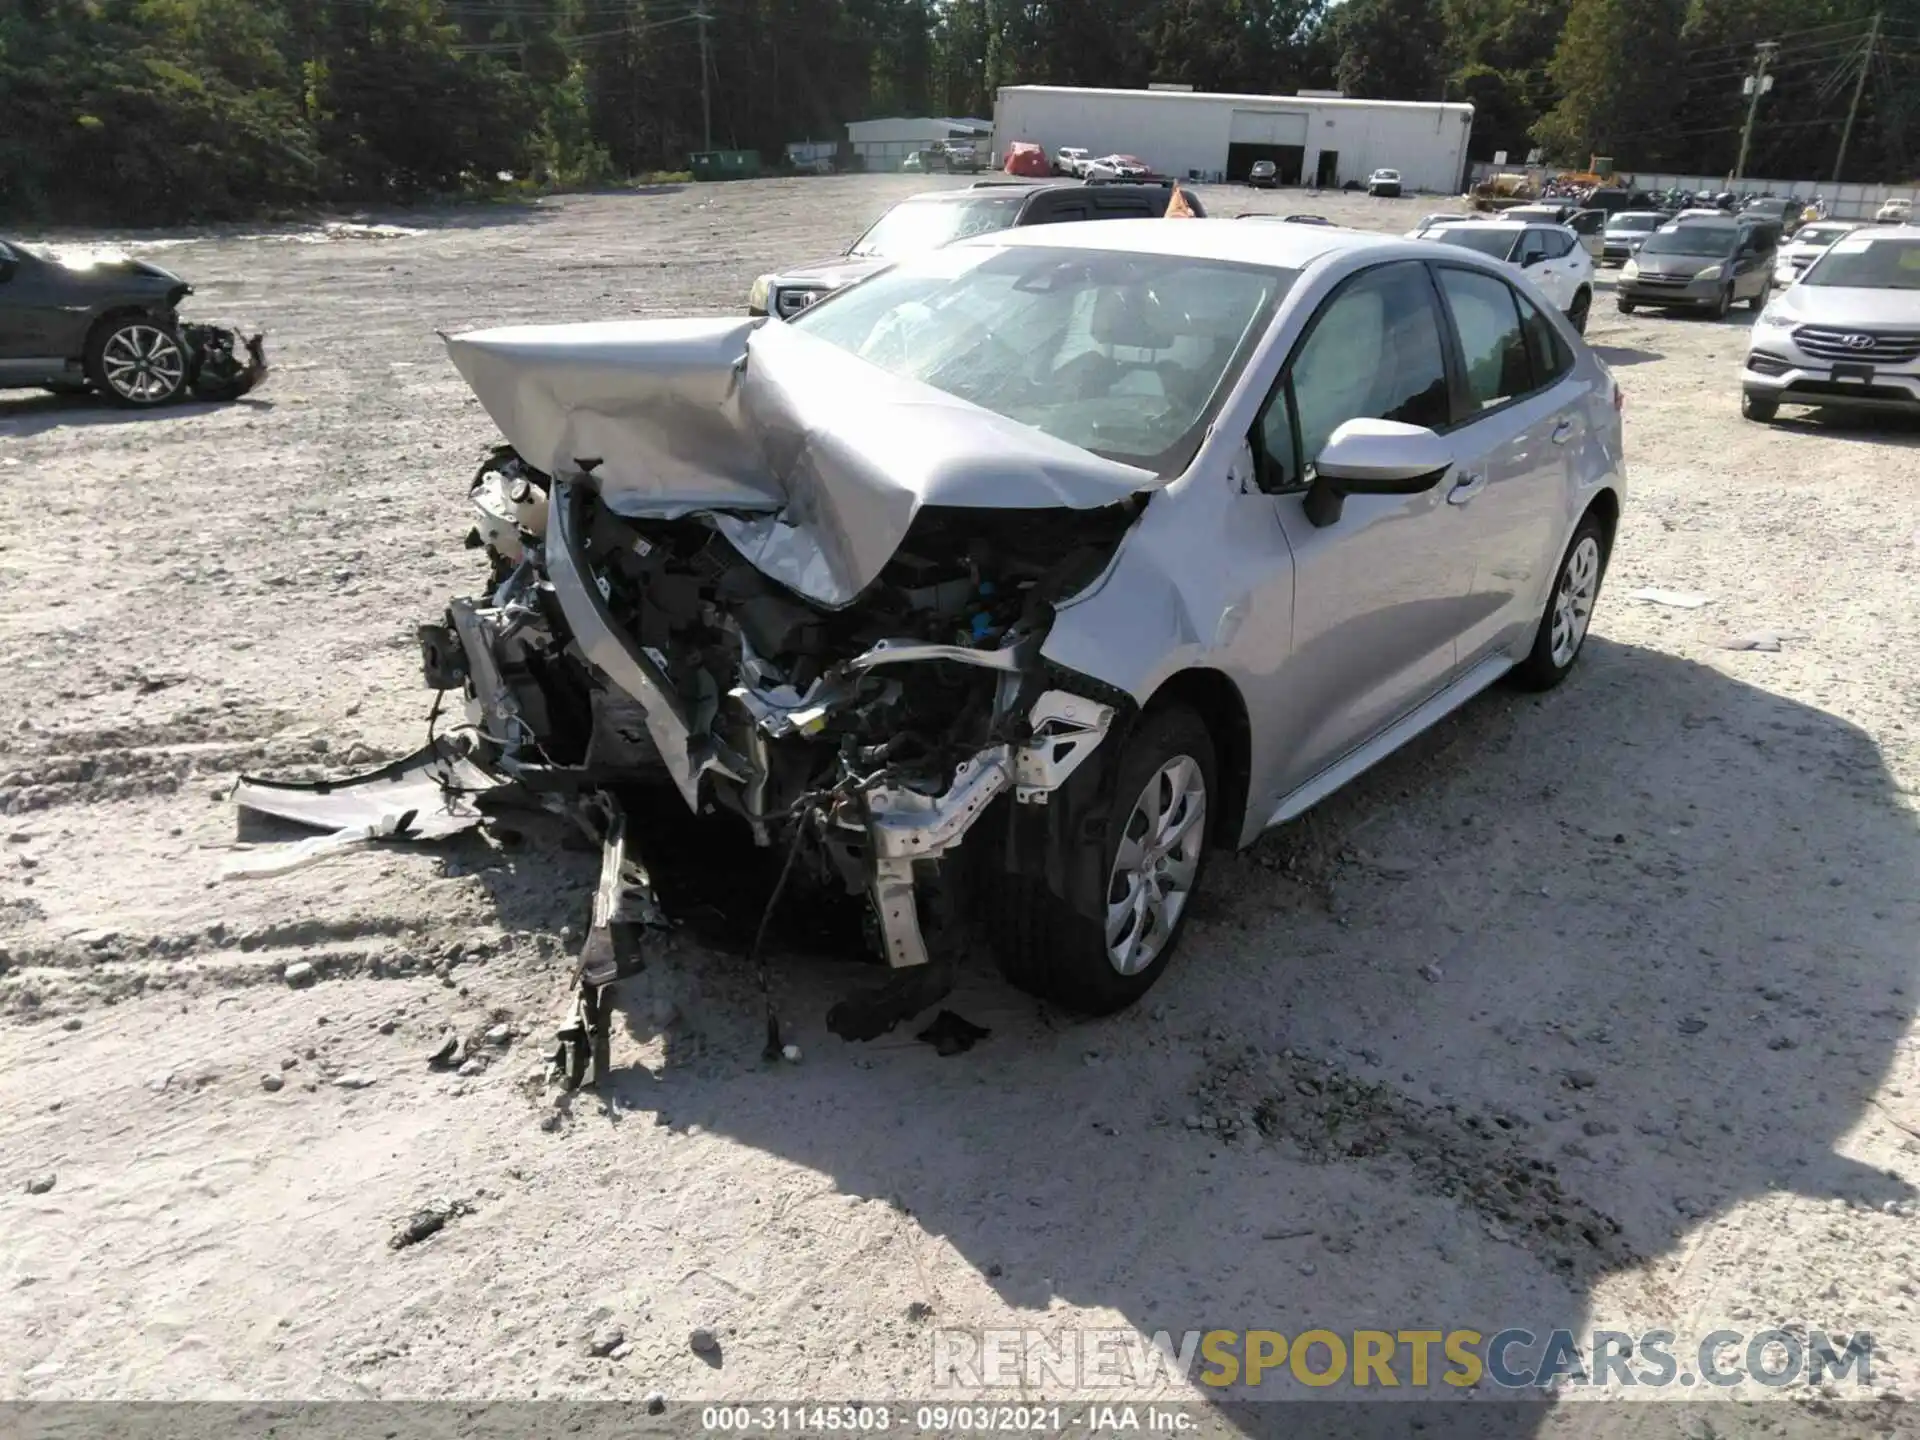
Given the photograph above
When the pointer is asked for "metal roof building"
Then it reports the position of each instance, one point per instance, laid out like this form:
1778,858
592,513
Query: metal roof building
883,144
1310,138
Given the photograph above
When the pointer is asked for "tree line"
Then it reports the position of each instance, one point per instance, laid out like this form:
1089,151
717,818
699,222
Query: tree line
131,111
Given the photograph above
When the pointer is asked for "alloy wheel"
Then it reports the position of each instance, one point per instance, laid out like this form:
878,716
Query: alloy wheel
1573,600
143,363
1156,864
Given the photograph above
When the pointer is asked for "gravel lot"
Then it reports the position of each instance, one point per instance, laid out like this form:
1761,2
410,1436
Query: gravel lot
1594,1009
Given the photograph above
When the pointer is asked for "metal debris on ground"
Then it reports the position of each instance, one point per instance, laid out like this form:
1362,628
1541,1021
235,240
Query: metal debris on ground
1673,599
952,1034
429,1219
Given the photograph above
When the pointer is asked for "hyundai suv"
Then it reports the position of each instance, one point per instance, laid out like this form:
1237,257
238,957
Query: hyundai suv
1847,335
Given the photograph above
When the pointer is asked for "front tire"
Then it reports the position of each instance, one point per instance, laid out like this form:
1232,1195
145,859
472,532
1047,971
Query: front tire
1154,856
1758,407
137,361
1758,300
1563,628
1625,307
1722,305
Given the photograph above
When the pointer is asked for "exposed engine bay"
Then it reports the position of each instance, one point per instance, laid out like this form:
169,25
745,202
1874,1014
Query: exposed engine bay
863,743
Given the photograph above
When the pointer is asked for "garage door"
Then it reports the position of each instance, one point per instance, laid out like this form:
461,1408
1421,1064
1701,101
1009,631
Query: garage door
1269,127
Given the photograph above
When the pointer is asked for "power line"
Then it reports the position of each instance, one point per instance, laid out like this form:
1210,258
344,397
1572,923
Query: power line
1853,106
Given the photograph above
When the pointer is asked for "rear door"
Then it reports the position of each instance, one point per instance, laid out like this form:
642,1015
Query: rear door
1590,226
1518,420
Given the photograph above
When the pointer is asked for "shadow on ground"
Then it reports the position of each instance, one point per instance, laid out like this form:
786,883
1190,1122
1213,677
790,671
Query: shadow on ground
35,412
1694,1024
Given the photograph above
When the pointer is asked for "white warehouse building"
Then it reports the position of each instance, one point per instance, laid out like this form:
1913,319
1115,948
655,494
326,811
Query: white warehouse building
1192,134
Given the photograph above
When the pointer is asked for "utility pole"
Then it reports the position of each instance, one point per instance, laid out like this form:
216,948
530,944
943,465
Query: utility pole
706,83
1757,84
1859,84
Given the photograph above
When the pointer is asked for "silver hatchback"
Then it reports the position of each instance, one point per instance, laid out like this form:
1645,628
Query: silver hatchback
1000,588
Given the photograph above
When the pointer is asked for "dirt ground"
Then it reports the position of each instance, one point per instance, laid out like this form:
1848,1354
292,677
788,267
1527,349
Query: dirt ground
1595,1009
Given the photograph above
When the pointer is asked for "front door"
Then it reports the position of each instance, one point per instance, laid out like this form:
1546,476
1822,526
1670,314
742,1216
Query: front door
1381,595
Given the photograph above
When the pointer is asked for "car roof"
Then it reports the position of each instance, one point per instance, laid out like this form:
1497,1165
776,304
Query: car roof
1281,247
1497,225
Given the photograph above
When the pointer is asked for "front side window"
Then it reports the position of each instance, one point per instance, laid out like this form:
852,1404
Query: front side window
1533,247
1374,353
1492,343
1126,355
1551,356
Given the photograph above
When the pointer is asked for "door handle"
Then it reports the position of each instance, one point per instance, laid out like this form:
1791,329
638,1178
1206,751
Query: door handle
1563,432
1466,487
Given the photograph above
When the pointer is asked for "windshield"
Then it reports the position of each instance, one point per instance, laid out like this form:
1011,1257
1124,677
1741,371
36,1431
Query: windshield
1124,355
1820,234
1483,238
1868,265
1636,224
914,226
1703,241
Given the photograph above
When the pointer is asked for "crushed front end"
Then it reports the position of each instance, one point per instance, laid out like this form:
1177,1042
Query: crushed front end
862,743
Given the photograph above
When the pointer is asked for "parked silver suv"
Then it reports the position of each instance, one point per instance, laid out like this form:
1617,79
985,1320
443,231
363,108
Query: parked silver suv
1846,335
1008,583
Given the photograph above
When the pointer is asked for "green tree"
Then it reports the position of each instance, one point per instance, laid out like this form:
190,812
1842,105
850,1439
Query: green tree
1616,67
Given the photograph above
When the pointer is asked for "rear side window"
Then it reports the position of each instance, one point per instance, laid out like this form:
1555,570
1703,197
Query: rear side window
1551,356
1486,314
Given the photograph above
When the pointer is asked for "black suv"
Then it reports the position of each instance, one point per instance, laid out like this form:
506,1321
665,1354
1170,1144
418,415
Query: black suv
926,222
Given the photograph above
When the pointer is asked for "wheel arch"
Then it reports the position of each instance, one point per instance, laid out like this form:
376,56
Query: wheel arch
122,310
1605,507
1213,695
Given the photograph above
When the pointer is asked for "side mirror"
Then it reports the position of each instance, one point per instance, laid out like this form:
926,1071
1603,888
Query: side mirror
1374,457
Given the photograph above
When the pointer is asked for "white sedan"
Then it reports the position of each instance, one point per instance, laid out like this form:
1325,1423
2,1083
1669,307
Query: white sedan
1552,256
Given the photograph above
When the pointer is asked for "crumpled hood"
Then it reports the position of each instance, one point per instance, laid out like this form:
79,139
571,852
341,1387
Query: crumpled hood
110,271
812,462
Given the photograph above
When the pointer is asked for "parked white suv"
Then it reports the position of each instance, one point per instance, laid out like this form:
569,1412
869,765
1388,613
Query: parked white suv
1072,160
1846,335
1551,255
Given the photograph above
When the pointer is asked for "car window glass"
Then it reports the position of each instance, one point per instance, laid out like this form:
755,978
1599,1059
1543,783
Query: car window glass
1558,246
1533,246
1550,355
1375,352
1124,355
1492,343
1118,209
1062,213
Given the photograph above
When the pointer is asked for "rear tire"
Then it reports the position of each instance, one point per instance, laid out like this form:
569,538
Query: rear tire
1758,407
1570,604
1048,949
1581,308
137,361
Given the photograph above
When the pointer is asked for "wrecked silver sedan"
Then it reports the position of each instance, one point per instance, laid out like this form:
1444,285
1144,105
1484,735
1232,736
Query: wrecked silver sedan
998,588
